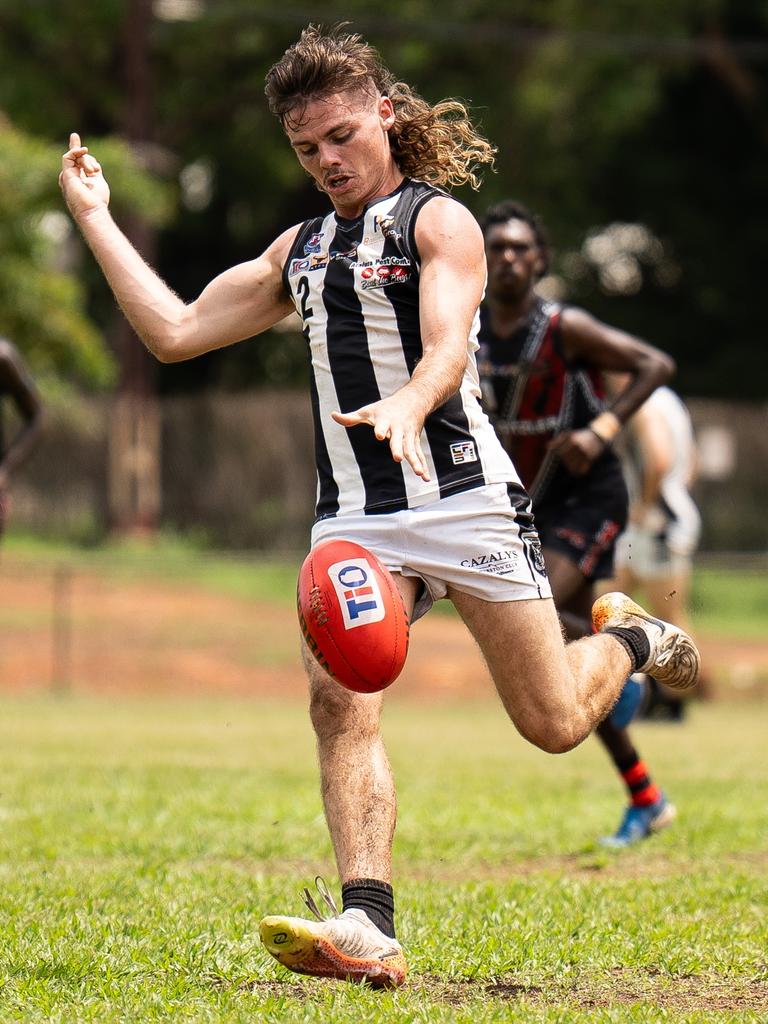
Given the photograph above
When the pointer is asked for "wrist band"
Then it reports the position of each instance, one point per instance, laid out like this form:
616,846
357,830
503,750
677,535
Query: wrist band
606,426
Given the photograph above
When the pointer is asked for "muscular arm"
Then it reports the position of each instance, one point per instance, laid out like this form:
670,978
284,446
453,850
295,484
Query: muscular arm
451,283
16,383
239,303
606,348
589,341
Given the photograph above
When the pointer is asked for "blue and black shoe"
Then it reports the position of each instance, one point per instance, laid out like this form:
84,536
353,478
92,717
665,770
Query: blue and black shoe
639,822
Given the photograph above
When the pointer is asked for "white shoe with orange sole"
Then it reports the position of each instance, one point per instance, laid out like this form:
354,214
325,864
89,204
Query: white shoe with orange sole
674,659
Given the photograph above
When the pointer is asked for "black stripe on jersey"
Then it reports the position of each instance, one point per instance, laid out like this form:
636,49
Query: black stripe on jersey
353,374
448,424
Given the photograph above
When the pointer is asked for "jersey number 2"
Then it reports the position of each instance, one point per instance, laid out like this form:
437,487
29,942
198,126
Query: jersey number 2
302,288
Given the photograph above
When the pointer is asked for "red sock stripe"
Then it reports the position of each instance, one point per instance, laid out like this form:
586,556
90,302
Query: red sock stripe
646,796
635,774
642,789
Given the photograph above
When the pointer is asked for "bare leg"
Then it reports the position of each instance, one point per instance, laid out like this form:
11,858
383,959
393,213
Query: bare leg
357,785
554,694
573,596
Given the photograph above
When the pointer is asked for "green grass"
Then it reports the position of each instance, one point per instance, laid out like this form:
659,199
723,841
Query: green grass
142,840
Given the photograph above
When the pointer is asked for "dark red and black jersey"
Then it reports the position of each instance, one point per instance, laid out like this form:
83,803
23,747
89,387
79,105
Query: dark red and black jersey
532,392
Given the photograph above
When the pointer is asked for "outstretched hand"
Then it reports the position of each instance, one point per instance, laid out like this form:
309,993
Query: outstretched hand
397,420
81,180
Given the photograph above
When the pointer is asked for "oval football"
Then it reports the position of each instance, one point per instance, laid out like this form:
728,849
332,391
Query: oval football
352,615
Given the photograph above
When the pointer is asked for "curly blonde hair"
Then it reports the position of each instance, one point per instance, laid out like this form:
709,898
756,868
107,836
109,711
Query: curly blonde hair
436,143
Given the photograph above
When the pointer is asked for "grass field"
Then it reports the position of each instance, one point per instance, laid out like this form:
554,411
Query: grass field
143,839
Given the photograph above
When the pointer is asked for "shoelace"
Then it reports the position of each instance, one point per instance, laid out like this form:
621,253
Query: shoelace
326,896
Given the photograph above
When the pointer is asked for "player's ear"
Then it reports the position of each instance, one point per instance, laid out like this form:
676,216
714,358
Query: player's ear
386,112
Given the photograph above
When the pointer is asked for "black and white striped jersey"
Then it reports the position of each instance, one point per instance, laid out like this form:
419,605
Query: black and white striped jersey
355,284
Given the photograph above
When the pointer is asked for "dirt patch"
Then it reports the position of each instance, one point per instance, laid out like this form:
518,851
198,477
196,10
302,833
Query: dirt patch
139,635
620,988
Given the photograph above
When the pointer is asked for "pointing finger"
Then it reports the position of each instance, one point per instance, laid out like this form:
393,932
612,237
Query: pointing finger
350,419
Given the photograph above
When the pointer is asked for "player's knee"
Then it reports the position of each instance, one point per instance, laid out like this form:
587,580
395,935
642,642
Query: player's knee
335,711
554,733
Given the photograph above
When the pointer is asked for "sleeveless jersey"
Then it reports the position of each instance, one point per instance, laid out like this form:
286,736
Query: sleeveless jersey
355,285
533,393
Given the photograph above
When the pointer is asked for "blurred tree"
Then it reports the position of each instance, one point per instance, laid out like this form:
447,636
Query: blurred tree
652,114
43,305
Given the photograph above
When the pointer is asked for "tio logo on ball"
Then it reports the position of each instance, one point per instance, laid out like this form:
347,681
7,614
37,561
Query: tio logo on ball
357,591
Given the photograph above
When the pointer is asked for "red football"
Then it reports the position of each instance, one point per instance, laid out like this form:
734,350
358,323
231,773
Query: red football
352,615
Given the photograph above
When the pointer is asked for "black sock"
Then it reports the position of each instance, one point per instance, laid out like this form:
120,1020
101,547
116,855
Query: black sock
375,898
634,641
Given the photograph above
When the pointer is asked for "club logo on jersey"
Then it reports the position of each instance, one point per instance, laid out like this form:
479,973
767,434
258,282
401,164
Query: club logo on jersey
357,591
316,262
463,451
312,244
383,272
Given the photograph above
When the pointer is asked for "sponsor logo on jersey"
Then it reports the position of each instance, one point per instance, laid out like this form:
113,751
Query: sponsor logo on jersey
384,223
463,451
357,591
383,272
497,563
316,262
312,244
347,257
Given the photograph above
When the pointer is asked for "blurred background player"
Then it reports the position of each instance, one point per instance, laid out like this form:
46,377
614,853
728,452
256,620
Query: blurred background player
541,366
655,552
16,386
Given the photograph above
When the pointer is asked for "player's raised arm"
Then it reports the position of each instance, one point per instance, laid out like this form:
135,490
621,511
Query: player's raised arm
239,303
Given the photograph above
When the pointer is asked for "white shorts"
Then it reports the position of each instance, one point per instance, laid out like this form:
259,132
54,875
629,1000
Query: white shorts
649,555
481,542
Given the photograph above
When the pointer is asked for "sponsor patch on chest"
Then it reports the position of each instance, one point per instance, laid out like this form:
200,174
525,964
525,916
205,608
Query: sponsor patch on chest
463,451
382,272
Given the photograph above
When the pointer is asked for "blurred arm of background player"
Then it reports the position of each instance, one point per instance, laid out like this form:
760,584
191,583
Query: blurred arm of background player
238,304
17,384
654,440
587,340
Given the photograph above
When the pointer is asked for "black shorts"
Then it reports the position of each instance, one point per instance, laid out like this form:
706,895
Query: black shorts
584,522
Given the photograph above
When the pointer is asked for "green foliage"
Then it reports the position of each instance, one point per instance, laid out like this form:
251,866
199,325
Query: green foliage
651,113
43,305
